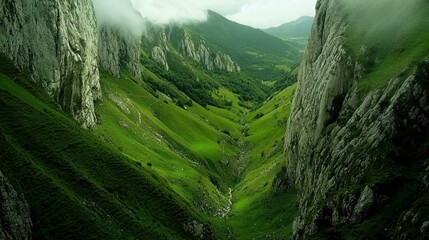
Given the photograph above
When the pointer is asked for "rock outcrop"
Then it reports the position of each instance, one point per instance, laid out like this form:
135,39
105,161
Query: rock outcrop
210,59
158,55
348,150
196,50
56,42
15,222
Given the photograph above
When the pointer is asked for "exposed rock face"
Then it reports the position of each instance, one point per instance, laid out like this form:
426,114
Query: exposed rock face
204,55
340,139
198,230
158,55
118,49
197,50
56,42
119,46
15,222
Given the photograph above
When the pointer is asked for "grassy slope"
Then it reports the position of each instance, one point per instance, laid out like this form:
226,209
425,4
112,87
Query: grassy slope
185,147
193,78
258,53
394,34
258,213
297,31
78,187
186,158
194,150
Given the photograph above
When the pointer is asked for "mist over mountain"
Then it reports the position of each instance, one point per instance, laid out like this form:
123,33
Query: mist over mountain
254,13
119,13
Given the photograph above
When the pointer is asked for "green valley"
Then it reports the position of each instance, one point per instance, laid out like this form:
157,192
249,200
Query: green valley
186,136
135,119
218,161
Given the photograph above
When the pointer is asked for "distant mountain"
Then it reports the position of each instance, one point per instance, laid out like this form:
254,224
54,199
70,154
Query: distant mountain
263,56
194,66
299,28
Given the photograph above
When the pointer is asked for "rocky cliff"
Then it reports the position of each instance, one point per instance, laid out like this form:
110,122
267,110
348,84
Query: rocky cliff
119,41
358,156
56,42
194,49
210,59
15,222
119,50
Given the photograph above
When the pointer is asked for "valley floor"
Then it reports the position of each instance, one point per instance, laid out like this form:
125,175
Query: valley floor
222,161
149,166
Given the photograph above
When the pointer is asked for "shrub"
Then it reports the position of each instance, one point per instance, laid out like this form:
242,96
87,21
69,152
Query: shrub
226,132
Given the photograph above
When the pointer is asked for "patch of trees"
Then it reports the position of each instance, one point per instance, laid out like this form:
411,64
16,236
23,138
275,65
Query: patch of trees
287,80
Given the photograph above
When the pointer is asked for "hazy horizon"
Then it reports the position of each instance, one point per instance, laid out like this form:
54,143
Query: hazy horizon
254,13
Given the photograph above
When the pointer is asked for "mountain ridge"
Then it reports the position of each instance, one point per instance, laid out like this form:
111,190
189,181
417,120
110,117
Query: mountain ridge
299,28
255,51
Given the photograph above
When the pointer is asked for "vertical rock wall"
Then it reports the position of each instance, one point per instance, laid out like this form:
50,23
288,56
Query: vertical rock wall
119,50
120,33
56,42
344,146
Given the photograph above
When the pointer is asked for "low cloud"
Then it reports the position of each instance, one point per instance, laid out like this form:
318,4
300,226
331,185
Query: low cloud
256,13
166,11
271,13
119,13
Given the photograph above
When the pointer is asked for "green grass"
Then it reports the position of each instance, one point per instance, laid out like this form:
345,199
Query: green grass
149,165
78,187
256,52
261,212
387,37
267,132
194,135
257,213
182,146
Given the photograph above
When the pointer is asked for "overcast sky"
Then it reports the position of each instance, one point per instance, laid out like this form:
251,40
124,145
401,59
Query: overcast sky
255,13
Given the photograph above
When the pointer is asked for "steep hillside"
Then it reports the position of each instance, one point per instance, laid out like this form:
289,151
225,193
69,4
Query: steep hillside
299,28
151,168
196,67
173,150
78,187
261,55
209,156
357,136
297,31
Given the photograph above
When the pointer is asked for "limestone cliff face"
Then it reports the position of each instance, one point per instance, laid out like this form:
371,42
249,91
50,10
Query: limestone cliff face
196,50
158,54
119,50
56,42
119,46
210,59
15,222
348,150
